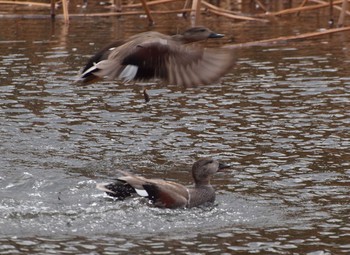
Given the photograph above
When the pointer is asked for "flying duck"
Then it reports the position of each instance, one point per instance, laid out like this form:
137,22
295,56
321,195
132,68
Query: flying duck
153,55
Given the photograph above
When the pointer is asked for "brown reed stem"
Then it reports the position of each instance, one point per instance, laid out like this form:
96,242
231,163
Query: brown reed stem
343,13
25,3
300,9
284,39
336,7
228,14
302,5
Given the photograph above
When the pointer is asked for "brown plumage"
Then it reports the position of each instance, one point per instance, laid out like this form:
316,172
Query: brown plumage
167,194
152,55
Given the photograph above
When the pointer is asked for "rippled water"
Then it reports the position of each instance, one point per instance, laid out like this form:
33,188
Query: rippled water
281,118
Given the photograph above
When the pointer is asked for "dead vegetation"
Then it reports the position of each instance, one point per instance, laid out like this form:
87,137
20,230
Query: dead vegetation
238,10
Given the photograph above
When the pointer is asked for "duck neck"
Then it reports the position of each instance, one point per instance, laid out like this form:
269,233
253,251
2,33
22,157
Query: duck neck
182,39
202,183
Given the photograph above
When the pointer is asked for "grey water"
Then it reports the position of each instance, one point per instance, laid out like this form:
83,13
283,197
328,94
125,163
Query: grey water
280,117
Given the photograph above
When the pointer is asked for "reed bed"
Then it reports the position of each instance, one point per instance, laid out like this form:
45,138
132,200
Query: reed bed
260,12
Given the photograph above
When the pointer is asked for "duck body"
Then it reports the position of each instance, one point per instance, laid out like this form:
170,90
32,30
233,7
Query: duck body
168,194
153,55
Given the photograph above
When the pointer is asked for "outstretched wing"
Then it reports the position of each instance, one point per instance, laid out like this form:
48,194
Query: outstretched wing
87,73
170,61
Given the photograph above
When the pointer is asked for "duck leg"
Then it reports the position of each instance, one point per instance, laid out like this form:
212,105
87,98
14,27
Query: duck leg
146,96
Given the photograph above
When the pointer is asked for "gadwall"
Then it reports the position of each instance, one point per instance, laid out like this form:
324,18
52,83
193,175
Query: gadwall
168,194
152,55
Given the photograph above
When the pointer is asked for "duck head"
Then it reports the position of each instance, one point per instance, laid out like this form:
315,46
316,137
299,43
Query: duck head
204,168
195,34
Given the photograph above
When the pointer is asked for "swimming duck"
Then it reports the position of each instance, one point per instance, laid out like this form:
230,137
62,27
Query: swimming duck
168,194
152,55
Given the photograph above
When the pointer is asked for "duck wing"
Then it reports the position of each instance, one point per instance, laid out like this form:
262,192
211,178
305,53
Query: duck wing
178,64
167,194
162,193
162,58
198,66
87,73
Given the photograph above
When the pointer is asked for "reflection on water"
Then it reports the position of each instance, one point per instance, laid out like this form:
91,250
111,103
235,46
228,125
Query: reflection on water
280,118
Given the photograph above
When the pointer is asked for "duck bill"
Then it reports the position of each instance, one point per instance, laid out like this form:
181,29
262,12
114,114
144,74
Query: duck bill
215,35
223,166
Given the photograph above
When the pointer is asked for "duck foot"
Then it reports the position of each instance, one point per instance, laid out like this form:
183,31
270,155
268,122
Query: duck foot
145,94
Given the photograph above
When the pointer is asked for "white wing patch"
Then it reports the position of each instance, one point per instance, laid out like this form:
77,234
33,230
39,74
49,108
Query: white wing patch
141,192
128,73
163,41
92,68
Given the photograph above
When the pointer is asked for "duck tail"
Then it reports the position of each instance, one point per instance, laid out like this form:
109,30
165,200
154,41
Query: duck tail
119,189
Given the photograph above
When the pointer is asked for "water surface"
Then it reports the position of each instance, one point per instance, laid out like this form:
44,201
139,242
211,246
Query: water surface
280,117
